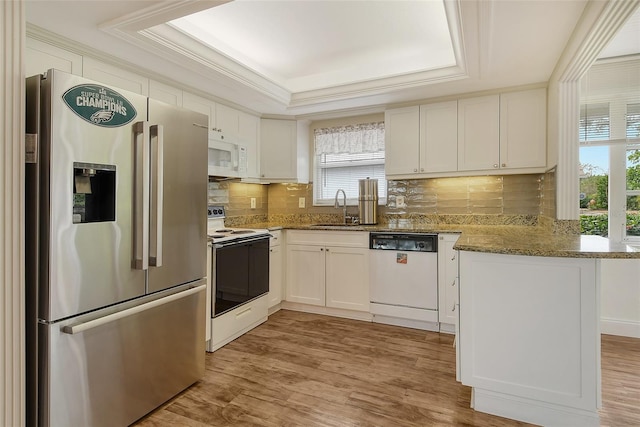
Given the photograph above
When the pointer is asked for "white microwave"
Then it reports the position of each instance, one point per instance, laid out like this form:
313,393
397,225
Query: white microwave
226,159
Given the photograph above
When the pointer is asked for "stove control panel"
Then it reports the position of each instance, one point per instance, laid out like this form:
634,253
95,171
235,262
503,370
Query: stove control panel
214,211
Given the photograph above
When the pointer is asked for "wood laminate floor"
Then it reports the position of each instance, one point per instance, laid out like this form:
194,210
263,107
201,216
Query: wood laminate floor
301,369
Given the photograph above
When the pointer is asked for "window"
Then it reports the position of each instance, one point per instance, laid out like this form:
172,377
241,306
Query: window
343,155
594,122
610,170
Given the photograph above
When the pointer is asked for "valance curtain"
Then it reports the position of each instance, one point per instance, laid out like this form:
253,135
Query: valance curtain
352,139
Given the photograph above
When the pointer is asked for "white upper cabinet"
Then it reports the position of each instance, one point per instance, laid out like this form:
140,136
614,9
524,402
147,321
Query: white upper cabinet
439,137
227,122
495,134
283,150
114,76
165,93
479,133
421,140
523,129
401,141
201,105
39,57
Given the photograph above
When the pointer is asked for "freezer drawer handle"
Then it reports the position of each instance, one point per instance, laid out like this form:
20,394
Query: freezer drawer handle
157,189
141,196
82,327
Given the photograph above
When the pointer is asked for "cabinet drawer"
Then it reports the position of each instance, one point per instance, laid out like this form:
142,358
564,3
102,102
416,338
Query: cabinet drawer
352,239
234,323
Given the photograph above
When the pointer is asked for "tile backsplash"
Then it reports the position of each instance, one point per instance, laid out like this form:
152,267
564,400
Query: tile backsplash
478,195
508,195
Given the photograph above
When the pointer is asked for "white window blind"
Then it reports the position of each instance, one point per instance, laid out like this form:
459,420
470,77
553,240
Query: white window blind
633,121
594,122
344,155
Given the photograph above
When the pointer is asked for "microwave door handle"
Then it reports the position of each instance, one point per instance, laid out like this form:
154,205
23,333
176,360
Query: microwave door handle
141,196
157,191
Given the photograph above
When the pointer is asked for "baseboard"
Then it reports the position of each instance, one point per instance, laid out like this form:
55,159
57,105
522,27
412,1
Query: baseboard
622,328
329,311
531,411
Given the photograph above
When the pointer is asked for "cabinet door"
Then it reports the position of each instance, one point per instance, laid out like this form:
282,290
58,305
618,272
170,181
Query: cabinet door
228,122
249,135
402,141
305,274
447,279
479,133
39,57
278,149
439,137
275,275
200,105
165,93
523,129
347,278
114,76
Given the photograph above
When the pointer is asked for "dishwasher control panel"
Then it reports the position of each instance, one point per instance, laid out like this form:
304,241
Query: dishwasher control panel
408,242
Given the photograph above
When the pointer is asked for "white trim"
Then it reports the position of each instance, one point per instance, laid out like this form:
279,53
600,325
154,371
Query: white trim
623,328
531,411
147,29
328,311
600,22
12,332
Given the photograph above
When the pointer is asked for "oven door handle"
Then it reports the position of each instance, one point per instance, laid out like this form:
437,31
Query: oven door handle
242,242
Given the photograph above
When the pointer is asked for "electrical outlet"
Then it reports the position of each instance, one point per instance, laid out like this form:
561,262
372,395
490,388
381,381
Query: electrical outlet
301,202
253,203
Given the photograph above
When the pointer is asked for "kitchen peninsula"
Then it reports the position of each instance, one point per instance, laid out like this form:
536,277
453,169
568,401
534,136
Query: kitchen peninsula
529,325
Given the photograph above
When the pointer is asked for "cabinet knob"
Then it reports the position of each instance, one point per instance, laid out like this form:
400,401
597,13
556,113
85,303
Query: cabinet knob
421,169
415,170
504,165
495,165
321,249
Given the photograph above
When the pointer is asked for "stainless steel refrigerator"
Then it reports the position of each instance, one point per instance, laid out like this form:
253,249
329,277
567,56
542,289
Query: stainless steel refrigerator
116,198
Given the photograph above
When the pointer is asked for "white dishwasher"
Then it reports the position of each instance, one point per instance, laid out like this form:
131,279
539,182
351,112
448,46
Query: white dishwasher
404,279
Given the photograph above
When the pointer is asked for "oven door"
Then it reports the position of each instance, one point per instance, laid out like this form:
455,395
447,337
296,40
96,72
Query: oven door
241,273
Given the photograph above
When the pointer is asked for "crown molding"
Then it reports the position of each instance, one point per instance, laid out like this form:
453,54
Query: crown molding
148,29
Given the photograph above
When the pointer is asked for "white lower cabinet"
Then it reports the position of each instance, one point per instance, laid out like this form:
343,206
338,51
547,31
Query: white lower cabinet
447,282
529,337
328,269
275,270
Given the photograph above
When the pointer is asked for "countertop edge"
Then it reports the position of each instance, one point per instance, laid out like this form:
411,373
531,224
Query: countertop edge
505,240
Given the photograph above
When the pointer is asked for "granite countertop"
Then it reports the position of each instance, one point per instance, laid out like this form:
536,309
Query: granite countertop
507,239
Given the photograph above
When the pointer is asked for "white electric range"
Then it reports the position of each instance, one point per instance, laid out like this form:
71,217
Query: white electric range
219,234
238,279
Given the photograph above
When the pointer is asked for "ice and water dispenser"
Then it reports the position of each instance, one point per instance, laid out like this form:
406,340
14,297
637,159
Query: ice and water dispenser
94,192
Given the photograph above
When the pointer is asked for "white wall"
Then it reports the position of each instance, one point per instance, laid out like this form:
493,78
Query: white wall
620,292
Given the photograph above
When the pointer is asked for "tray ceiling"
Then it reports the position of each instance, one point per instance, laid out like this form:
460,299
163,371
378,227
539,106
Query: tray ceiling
308,58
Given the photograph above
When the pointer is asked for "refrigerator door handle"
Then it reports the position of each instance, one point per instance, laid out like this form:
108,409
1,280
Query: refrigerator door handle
141,196
157,191
85,326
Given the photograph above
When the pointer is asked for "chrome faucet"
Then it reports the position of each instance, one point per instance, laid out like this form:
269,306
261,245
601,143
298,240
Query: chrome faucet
344,203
